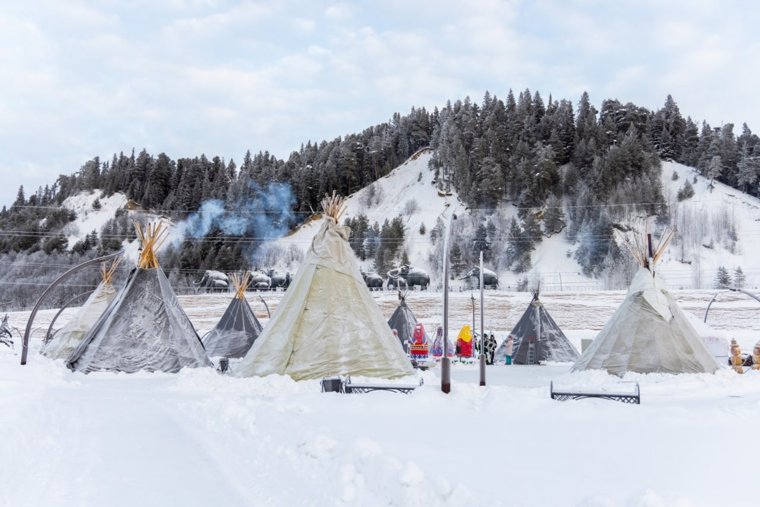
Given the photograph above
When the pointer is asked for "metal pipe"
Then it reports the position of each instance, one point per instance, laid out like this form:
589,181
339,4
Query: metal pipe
56,282
269,314
482,329
66,305
746,293
446,362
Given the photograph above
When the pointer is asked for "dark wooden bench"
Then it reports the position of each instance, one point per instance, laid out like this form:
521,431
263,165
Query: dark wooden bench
345,385
633,398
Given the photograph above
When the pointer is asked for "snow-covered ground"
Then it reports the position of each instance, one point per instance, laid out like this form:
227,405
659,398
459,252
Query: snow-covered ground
198,438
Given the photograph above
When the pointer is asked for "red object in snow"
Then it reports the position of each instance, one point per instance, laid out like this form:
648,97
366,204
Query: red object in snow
418,335
420,346
464,348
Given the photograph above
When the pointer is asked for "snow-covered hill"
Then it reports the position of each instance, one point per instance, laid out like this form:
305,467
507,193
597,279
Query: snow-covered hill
88,218
706,223
410,191
718,226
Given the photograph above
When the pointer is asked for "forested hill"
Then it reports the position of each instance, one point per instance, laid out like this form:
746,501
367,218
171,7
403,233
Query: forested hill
561,163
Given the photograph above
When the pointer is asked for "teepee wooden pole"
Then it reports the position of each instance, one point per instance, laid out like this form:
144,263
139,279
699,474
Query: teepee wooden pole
150,239
240,283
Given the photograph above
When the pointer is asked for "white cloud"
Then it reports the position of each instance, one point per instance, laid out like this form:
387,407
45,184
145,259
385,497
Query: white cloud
339,11
221,76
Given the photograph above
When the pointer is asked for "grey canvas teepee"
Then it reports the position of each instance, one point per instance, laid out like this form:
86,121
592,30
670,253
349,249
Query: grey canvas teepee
144,327
403,321
327,323
238,328
537,338
649,332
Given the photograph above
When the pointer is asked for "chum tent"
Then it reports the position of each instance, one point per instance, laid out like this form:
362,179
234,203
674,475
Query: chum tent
144,327
403,321
66,339
238,328
537,338
327,323
648,333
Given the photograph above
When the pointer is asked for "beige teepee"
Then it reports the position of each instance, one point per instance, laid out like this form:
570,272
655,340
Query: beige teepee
327,323
649,332
63,343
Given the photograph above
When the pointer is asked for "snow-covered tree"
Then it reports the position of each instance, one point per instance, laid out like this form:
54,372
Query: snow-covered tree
722,278
739,278
715,168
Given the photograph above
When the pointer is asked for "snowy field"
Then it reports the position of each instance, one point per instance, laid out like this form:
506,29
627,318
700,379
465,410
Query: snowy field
198,438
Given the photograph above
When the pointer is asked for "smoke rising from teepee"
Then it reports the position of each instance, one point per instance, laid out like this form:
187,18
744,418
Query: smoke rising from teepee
264,215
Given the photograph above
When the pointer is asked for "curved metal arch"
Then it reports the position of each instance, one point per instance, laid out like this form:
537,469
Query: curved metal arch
66,305
732,289
269,314
49,289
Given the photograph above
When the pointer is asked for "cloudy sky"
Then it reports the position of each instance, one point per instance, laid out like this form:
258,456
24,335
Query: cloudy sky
92,77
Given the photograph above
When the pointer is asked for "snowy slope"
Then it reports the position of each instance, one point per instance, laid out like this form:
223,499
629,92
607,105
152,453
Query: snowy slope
700,247
412,181
705,219
89,219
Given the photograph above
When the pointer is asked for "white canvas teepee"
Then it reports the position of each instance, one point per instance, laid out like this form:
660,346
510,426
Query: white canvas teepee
649,333
327,323
63,343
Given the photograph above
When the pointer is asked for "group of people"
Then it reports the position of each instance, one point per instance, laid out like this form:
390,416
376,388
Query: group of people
490,348
417,345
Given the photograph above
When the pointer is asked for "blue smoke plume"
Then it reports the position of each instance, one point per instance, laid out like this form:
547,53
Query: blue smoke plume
266,214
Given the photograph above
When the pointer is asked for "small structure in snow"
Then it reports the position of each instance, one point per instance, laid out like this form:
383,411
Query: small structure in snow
238,328
537,338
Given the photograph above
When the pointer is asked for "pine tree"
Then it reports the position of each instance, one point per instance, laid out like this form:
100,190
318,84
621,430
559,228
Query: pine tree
455,259
685,192
722,278
20,199
739,278
715,169
515,242
747,169
554,216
